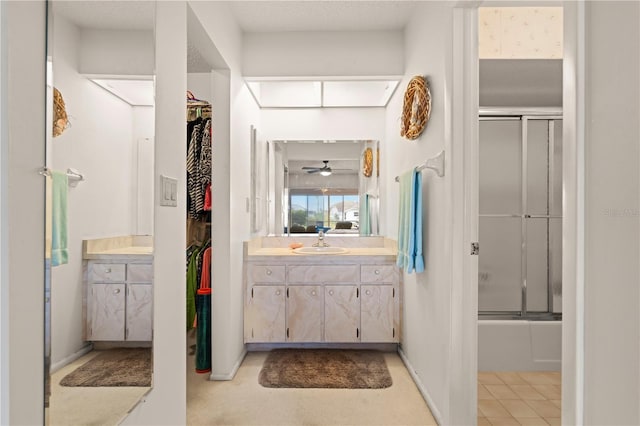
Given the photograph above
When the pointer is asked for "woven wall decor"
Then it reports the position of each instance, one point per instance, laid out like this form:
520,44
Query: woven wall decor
60,119
416,108
367,162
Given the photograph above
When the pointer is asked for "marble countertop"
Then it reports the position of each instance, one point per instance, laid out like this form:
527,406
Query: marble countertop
125,248
353,255
352,251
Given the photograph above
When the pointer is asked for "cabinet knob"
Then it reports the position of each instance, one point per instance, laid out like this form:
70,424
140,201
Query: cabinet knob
313,293
368,292
107,270
377,272
116,291
277,292
331,292
268,271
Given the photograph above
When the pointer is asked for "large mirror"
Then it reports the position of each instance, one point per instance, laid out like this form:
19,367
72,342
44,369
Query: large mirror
307,186
99,167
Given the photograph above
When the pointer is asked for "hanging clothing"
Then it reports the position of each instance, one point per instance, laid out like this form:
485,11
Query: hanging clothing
205,276
206,155
199,165
192,287
193,173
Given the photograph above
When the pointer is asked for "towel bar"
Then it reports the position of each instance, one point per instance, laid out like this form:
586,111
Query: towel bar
436,163
72,175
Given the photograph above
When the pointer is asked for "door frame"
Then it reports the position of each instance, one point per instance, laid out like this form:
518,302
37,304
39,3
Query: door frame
463,393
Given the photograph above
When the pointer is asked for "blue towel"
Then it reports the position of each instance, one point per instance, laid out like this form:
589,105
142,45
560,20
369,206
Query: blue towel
410,223
59,255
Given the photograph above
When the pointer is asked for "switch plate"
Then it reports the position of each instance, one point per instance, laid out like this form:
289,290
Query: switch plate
168,191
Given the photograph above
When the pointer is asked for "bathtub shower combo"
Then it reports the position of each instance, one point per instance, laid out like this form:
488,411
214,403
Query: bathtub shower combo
520,230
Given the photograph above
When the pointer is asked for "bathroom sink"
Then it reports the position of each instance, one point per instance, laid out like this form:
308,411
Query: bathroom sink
320,250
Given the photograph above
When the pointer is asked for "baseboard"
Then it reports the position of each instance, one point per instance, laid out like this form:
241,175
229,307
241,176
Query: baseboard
425,394
263,347
69,359
234,370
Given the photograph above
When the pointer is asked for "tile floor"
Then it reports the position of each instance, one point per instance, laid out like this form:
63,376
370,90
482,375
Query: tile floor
519,398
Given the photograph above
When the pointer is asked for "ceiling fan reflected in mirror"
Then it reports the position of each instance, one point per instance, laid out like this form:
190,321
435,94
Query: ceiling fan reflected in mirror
324,170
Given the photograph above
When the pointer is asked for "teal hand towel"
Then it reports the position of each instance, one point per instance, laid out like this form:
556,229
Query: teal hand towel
60,186
410,223
365,217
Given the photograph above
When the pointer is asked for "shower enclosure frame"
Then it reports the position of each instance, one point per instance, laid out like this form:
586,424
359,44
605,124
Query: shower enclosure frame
525,115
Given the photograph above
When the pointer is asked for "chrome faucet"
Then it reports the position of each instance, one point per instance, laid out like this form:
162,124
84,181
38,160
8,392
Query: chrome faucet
321,242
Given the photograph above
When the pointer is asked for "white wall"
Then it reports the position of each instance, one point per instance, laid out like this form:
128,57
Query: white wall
117,52
231,151
612,218
233,112
142,174
22,285
4,258
353,53
100,144
426,335
165,404
318,123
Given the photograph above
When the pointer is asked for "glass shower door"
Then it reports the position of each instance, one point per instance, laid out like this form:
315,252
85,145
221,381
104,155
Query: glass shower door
500,233
520,189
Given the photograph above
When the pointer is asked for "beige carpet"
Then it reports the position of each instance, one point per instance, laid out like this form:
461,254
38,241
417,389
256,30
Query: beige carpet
114,367
325,368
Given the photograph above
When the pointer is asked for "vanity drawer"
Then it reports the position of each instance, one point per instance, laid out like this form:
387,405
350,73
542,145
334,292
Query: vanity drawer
140,273
324,273
106,272
266,273
377,273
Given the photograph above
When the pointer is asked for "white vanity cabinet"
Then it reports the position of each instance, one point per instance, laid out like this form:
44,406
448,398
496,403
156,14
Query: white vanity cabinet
328,299
342,313
377,301
305,309
264,307
119,300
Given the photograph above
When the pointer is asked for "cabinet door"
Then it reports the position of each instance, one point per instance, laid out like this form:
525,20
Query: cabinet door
139,312
106,320
266,314
305,309
341,313
377,313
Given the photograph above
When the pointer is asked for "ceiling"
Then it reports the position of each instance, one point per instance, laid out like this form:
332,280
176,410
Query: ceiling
252,16
270,16
108,15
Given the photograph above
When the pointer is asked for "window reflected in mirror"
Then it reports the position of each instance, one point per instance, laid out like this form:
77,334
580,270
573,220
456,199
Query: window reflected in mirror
317,185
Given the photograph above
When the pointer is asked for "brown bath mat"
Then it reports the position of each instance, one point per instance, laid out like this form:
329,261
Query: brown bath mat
325,368
114,367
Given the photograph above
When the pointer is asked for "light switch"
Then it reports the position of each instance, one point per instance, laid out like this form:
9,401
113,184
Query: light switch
168,191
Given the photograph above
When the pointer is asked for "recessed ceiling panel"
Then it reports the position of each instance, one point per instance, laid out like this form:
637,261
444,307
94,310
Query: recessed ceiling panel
318,94
357,93
133,92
